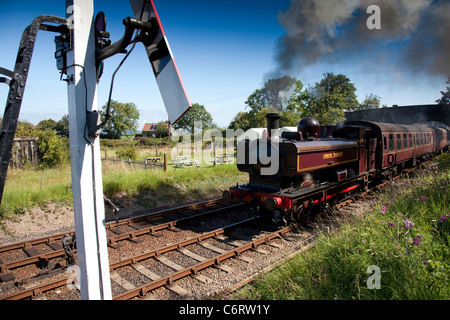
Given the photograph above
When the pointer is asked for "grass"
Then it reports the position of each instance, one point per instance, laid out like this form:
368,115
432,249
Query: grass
26,188
406,234
154,187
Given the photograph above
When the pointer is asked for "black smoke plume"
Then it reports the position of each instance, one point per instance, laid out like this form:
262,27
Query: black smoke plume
414,32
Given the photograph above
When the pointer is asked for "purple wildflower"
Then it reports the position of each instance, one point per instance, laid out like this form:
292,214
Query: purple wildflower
426,263
444,218
391,224
388,204
383,210
407,224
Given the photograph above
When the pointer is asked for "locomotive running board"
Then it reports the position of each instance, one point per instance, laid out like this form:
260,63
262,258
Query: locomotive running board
322,194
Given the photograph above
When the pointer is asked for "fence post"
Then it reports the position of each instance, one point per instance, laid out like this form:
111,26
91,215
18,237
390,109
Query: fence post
165,161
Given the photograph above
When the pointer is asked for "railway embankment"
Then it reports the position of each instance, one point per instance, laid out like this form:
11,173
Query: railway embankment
399,248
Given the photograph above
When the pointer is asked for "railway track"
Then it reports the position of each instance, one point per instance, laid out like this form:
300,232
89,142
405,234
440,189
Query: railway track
44,257
160,264
135,276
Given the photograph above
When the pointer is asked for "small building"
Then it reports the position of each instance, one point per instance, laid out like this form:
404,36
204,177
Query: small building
149,129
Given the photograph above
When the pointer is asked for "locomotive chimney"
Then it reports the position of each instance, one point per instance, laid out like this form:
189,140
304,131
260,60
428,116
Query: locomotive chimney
273,123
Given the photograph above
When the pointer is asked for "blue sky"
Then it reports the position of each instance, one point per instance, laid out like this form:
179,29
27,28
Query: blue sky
224,51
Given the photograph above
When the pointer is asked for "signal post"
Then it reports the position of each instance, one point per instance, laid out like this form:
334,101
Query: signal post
88,203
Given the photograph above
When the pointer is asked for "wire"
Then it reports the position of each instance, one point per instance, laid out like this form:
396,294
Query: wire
108,115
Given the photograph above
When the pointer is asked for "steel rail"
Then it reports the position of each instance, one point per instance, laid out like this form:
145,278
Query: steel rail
193,270
131,235
111,224
31,292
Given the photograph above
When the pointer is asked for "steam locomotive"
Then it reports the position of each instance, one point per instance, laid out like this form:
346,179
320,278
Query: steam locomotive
317,165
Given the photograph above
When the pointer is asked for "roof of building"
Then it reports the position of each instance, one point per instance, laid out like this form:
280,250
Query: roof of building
152,126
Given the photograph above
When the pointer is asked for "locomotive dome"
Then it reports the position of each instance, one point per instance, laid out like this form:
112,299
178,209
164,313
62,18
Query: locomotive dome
310,128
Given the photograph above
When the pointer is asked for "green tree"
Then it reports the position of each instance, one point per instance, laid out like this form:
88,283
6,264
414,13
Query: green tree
340,85
290,119
327,100
124,118
62,126
371,102
46,125
197,112
26,129
445,99
53,150
162,129
276,93
242,121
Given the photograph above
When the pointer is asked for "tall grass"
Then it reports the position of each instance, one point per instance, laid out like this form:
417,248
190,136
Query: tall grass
158,187
26,188
406,234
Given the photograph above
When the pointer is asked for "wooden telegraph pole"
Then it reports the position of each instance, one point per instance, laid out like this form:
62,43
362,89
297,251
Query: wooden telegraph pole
89,211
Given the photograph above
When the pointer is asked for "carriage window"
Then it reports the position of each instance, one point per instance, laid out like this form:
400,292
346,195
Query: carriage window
417,139
399,142
391,142
421,139
429,138
410,141
385,143
405,141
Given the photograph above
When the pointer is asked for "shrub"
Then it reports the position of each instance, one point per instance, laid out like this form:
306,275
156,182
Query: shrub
53,150
443,161
129,152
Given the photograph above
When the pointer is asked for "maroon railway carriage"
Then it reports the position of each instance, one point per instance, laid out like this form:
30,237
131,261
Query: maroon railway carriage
399,146
319,165
441,140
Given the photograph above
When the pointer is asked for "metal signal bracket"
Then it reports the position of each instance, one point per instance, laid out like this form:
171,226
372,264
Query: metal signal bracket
17,80
105,49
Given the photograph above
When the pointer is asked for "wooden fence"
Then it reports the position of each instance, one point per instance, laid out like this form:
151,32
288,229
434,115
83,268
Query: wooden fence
148,164
24,151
